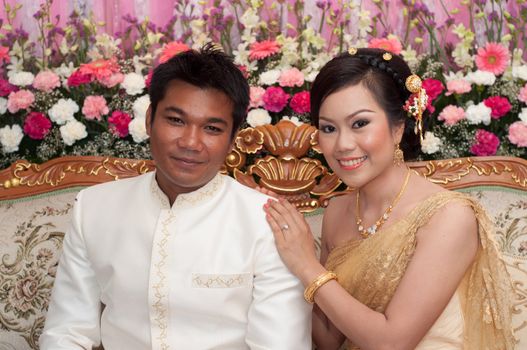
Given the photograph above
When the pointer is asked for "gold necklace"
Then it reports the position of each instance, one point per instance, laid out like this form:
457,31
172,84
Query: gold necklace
366,232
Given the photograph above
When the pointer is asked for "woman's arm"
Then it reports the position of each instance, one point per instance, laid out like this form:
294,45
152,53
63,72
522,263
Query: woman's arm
446,247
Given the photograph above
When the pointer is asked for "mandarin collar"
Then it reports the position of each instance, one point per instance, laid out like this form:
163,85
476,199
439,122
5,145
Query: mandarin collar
193,198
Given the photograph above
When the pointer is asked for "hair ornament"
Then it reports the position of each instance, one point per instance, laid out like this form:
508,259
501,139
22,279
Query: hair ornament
352,51
416,103
387,56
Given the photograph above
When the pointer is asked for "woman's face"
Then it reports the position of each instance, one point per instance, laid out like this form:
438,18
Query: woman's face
355,135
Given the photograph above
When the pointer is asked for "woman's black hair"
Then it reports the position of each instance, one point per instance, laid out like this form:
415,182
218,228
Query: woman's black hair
385,79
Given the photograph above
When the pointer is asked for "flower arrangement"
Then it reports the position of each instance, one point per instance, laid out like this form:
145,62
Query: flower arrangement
77,90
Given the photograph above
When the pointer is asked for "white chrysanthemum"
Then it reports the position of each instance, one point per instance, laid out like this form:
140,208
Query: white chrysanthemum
409,55
477,114
250,18
293,120
462,56
140,106
257,117
72,132
137,128
241,56
310,77
3,105
431,143
270,77
480,77
520,72
10,137
523,115
63,111
133,83
22,78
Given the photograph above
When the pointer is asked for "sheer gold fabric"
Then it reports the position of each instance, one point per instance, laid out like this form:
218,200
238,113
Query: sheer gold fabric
479,314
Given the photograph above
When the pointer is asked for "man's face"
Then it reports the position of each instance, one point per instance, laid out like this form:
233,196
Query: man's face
190,136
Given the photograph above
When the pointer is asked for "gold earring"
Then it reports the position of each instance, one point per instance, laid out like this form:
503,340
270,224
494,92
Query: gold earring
398,155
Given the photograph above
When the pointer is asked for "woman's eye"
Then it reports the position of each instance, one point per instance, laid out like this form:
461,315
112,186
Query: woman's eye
326,129
359,123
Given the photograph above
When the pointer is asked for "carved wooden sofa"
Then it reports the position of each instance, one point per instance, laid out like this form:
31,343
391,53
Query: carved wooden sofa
35,202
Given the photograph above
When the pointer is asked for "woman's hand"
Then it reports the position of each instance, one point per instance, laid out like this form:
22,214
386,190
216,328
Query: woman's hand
293,238
267,192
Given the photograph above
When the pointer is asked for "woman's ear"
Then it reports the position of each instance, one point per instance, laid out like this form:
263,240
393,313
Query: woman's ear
397,132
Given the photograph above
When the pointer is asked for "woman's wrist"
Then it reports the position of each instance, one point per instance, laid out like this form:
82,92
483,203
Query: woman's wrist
310,273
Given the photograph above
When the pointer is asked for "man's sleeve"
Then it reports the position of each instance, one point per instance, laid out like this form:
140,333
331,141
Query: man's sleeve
279,317
73,318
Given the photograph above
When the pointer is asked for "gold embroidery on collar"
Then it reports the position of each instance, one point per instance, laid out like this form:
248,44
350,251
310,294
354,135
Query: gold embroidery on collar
202,193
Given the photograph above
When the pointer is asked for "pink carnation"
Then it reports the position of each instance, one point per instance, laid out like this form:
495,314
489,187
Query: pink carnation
433,88
261,50
518,134
18,100
257,93
291,77
451,114
485,143
36,125
77,78
499,105
493,58
300,103
112,80
94,107
522,96
172,49
6,88
46,81
275,99
457,86
391,44
119,123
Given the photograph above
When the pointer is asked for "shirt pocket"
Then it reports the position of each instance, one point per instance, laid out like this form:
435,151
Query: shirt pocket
225,280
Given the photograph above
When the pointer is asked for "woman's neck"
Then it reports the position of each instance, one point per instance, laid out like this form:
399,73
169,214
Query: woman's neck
381,191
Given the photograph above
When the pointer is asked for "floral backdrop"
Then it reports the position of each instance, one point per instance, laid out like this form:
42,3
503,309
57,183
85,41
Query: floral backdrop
71,87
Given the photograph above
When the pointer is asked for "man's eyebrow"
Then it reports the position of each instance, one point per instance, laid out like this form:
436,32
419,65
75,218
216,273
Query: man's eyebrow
175,110
216,120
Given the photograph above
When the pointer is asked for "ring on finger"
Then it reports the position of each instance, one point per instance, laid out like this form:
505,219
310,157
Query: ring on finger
284,227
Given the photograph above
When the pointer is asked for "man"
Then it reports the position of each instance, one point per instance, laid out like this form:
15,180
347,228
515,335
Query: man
181,258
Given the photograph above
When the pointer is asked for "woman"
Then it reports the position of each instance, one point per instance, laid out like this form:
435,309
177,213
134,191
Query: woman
405,263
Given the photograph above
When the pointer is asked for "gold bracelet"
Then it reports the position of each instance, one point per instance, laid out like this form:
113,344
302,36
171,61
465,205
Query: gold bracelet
309,292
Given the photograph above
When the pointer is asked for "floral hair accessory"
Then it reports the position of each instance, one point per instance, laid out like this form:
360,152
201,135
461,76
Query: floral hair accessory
416,103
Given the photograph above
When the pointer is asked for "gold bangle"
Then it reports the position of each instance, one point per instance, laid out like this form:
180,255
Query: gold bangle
309,292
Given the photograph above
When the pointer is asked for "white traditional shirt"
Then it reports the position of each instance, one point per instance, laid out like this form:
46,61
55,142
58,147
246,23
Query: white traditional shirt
137,274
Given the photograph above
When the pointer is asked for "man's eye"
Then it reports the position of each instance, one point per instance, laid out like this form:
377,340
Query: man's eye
326,129
214,129
360,123
175,120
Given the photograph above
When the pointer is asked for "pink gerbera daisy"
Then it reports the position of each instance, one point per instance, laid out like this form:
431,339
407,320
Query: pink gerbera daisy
261,50
493,58
391,43
172,49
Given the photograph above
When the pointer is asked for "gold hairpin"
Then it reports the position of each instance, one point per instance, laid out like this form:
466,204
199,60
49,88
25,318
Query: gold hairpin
387,56
352,51
413,83
416,104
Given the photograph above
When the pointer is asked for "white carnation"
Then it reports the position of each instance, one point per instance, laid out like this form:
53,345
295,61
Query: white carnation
3,105
63,111
137,128
140,106
520,72
479,113
293,120
10,137
523,115
257,117
133,83
22,78
431,143
480,77
72,132
270,77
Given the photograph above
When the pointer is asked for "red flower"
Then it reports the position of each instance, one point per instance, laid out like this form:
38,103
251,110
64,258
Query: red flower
100,69
77,78
499,105
36,125
433,88
261,50
300,103
119,123
485,143
275,99
4,54
244,71
148,79
172,49
6,88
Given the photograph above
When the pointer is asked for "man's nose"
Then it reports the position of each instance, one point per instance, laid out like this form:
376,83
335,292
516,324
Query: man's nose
190,139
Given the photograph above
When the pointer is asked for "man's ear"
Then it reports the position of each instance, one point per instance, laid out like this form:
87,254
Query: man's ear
149,119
